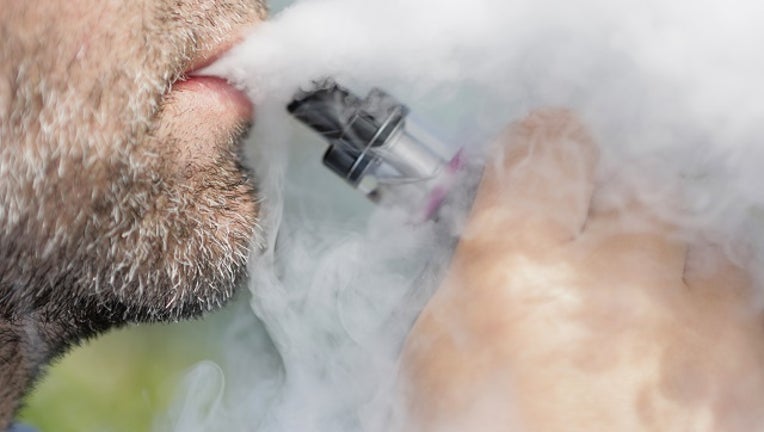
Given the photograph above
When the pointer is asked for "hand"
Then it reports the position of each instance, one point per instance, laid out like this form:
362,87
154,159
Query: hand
561,312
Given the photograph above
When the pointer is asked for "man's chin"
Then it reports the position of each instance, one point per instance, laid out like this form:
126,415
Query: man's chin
190,301
203,116
191,255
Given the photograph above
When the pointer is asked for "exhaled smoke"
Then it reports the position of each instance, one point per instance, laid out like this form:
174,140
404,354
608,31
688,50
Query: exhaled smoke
669,87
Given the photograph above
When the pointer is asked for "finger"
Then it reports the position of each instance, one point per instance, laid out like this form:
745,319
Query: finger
718,299
712,273
716,329
626,235
539,188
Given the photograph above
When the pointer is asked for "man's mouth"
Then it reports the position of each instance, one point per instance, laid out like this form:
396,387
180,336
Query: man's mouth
217,90
212,89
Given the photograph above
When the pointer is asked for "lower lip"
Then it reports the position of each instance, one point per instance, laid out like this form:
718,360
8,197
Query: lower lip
225,95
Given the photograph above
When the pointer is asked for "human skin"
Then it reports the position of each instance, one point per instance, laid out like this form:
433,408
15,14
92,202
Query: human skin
123,196
565,312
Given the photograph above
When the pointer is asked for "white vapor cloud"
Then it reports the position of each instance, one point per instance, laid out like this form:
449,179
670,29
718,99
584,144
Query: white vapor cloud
670,89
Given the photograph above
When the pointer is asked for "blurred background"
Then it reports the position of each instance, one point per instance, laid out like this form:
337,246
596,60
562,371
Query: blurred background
123,380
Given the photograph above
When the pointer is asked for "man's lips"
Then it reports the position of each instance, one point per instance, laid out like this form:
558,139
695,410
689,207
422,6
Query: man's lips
206,57
216,90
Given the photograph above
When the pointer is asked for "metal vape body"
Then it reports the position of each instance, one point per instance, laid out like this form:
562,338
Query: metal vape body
376,148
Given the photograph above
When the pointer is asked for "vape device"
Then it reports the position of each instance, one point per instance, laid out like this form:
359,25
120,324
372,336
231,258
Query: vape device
377,149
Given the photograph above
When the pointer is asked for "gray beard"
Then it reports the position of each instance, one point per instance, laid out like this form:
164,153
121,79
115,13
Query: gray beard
100,225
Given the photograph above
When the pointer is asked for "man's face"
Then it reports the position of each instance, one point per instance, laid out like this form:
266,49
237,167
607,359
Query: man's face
120,183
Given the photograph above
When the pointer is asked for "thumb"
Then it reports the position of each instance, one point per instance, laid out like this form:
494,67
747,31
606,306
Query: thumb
538,188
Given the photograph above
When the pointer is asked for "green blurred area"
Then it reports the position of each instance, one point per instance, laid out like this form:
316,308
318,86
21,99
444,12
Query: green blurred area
123,380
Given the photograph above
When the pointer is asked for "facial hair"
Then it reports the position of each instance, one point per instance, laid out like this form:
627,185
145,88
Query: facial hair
119,202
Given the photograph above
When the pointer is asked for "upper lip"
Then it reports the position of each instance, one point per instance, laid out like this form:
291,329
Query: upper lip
208,55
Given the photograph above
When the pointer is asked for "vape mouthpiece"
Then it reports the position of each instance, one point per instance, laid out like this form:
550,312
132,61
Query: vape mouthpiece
374,147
